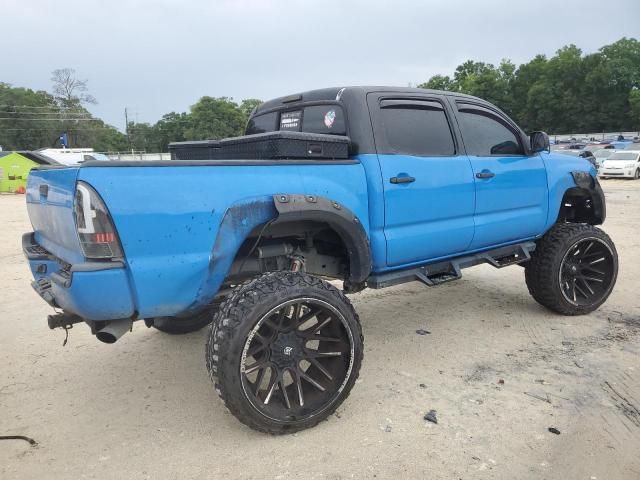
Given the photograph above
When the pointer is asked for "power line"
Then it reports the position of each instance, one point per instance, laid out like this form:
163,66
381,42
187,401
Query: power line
54,119
45,113
53,129
8,105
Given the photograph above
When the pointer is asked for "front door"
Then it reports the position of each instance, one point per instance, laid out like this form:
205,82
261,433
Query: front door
511,187
428,184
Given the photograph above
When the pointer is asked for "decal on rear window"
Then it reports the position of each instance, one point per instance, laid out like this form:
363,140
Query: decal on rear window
329,118
290,120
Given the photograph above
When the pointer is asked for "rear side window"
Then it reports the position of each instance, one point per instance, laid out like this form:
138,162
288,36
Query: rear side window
325,119
262,123
485,134
416,127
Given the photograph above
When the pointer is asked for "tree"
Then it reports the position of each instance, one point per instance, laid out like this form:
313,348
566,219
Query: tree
247,106
634,102
439,82
567,93
215,118
69,90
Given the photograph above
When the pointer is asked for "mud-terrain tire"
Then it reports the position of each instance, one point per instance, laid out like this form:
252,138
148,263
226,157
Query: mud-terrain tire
284,351
181,326
573,269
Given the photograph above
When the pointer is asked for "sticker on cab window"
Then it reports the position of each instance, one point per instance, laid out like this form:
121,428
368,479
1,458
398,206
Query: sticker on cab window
290,120
330,118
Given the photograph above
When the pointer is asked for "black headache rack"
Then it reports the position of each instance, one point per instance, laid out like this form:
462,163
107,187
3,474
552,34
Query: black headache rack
265,146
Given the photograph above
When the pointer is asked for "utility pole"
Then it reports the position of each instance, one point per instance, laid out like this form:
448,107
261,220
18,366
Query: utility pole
126,120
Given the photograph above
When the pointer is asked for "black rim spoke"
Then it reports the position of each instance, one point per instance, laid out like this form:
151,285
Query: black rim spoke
318,365
296,359
579,290
586,284
299,389
271,389
322,338
312,382
283,389
586,272
259,380
307,316
594,270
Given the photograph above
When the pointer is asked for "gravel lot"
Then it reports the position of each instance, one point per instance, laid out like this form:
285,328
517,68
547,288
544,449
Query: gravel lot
498,369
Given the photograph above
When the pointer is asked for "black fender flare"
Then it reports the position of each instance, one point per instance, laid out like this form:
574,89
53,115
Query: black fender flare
590,185
345,223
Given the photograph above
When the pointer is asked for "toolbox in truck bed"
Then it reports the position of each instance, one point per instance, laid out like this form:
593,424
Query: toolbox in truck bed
270,145
194,150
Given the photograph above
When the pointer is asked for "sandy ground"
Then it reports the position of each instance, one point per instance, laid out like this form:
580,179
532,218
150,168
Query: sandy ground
144,407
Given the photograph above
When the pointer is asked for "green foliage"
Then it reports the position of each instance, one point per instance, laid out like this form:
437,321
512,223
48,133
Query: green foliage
35,119
210,118
634,103
569,92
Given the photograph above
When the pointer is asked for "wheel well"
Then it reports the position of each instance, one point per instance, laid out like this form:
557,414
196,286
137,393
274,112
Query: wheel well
274,246
580,205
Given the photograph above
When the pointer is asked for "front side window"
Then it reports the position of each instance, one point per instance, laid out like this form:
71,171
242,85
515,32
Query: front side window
417,128
486,135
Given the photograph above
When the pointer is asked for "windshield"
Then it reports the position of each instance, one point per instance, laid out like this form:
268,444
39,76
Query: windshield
603,153
624,156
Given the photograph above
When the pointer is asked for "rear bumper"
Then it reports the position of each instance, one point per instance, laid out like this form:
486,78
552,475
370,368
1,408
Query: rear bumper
91,290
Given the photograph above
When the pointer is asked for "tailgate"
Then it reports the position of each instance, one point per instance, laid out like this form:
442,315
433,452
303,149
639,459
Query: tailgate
50,194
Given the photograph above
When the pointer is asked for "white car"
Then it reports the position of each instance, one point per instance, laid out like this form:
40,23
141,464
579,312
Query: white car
621,164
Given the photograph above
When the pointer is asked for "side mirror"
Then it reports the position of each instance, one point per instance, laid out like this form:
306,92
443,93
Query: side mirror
539,142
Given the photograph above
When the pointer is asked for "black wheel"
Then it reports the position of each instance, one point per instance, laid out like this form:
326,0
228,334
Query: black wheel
284,351
573,269
636,176
180,326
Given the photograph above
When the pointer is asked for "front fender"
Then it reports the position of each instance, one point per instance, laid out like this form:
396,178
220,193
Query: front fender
561,177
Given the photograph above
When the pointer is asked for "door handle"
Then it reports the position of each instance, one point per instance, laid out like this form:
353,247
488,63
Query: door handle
402,179
485,174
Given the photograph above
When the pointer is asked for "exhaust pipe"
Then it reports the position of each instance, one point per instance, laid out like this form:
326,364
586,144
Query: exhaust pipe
113,331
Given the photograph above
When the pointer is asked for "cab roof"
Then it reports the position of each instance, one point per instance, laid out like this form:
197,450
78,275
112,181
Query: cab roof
335,93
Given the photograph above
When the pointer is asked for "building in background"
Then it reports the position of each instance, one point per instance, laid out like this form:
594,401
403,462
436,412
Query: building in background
15,168
72,156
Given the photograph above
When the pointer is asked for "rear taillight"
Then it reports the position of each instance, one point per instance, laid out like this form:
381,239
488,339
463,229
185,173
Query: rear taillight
98,237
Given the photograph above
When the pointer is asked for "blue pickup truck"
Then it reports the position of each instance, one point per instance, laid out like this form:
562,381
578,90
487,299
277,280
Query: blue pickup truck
371,186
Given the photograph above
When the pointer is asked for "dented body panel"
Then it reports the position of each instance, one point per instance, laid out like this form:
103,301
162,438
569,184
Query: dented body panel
179,242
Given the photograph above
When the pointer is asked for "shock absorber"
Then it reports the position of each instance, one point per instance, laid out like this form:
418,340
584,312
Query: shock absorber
297,263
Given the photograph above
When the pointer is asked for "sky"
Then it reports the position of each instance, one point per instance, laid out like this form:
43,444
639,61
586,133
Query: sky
158,56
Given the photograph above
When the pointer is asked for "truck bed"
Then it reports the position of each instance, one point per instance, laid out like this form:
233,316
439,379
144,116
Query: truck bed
168,215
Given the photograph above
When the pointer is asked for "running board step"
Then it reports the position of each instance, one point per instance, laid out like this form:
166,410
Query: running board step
440,272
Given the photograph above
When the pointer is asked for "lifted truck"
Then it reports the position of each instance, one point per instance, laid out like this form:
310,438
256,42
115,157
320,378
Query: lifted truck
373,186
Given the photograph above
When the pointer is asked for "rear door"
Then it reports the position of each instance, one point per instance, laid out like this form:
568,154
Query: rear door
428,184
511,186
